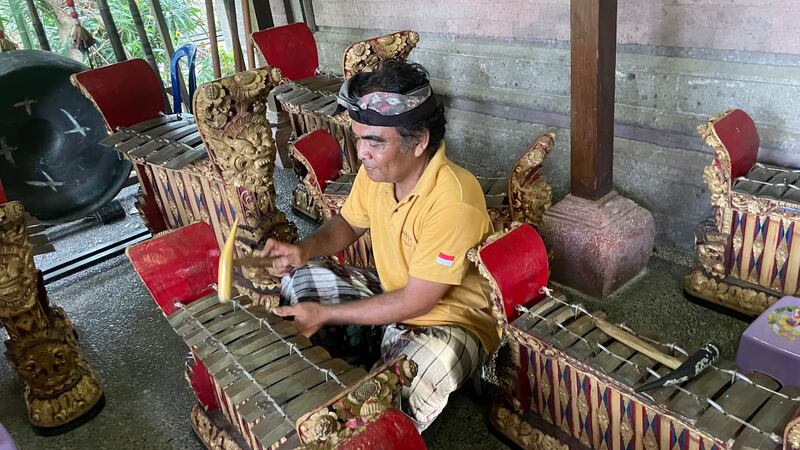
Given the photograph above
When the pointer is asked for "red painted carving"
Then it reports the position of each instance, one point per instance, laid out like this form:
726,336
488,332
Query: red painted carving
291,48
179,266
737,132
517,261
323,155
116,87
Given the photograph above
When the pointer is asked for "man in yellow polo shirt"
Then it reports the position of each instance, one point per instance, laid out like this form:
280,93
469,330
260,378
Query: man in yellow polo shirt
424,213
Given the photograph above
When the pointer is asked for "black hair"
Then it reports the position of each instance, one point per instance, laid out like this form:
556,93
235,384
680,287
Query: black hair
400,77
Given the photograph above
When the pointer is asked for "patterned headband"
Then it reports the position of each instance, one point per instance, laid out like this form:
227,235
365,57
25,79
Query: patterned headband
388,108
384,103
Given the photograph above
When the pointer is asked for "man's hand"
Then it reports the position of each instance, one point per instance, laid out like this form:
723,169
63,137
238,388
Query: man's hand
309,317
285,257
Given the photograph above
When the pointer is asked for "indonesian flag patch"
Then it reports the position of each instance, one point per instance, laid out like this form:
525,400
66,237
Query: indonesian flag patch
445,260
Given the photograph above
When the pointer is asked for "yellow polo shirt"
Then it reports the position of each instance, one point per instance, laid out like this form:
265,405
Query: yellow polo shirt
427,234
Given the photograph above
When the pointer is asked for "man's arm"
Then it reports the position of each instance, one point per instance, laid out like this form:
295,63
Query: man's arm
333,236
414,300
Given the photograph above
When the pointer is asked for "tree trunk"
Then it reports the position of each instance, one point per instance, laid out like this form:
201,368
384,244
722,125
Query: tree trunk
111,30
212,38
38,27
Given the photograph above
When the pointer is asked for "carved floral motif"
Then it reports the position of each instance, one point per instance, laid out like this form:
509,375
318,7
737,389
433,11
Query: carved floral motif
346,414
60,386
626,429
364,56
522,433
17,272
748,301
711,246
602,418
213,437
529,195
232,122
650,442
793,437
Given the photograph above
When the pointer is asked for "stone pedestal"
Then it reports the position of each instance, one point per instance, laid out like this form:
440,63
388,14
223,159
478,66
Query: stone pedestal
597,245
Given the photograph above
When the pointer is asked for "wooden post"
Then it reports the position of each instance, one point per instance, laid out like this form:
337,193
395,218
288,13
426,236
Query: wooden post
22,27
599,239
264,17
248,31
233,25
594,38
163,30
111,30
287,8
37,26
148,50
212,38
308,14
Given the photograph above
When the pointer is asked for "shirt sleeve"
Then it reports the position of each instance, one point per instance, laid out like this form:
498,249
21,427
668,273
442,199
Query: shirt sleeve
446,236
355,210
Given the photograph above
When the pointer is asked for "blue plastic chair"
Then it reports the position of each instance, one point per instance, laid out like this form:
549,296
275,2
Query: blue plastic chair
189,51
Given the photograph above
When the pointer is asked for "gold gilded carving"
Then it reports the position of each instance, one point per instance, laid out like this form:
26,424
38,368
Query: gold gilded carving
781,253
763,207
748,301
521,432
563,395
711,247
231,118
650,442
626,429
364,56
528,192
583,405
602,418
17,272
344,415
320,426
213,437
718,174
545,384
60,386
793,437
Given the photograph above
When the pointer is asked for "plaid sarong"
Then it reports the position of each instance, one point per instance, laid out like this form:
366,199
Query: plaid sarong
446,356
327,282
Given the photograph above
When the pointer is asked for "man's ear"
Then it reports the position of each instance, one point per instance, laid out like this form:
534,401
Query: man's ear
419,149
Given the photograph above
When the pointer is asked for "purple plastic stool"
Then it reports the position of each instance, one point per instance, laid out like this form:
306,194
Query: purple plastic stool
6,443
771,344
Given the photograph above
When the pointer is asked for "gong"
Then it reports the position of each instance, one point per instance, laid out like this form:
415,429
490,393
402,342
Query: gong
50,159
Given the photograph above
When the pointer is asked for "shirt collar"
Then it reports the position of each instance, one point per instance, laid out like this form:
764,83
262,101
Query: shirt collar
427,181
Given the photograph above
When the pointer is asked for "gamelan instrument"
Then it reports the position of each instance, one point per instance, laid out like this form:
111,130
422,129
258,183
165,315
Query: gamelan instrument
214,167
748,254
569,377
50,156
259,383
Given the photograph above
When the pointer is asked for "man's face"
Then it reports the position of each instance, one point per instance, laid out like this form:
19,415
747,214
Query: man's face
381,151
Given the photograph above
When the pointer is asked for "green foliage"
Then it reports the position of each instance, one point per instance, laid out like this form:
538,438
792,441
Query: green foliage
185,19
